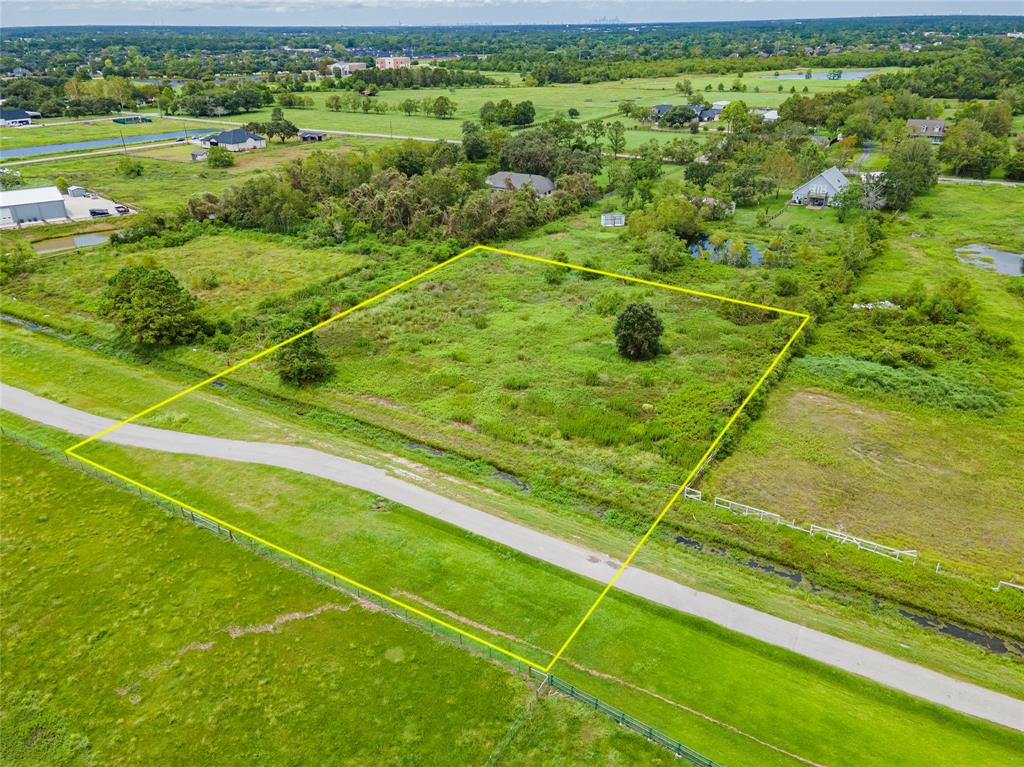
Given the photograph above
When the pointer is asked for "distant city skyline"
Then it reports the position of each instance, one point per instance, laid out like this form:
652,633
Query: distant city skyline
297,13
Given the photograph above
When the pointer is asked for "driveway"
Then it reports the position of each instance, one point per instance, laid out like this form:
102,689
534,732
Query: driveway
825,648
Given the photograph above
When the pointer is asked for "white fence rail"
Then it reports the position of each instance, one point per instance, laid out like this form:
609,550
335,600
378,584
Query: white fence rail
834,535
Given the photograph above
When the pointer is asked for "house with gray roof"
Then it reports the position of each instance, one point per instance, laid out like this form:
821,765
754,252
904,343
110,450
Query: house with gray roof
821,190
15,118
237,140
507,181
930,129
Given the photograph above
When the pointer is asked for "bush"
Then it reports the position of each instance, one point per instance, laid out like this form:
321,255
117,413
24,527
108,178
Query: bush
638,332
129,167
301,362
219,157
150,307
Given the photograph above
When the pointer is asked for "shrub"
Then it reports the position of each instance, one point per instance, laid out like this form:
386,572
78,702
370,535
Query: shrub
219,157
301,362
638,332
150,307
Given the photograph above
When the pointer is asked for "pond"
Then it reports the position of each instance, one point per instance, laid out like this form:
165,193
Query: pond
722,255
57,244
992,259
100,143
848,74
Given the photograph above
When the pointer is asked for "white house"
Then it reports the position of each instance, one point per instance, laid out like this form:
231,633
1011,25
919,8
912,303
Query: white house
392,62
39,203
768,115
720,104
930,129
237,140
14,118
822,189
345,68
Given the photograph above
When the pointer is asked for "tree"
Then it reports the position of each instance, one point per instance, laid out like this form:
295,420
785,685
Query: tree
912,170
1015,167
573,113
997,119
849,200
662,251
410,107
333,102
443,107
737,117
678,117
150,307
62,184
474,143
781,168
972,151
301,362
219,157
638,332
617,137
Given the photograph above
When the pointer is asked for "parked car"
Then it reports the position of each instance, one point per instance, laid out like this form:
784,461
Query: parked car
98,212
122,209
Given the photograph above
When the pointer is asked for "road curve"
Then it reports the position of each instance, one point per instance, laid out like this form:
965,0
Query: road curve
907,677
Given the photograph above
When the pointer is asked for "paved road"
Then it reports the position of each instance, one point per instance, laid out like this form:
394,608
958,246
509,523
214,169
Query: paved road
907,677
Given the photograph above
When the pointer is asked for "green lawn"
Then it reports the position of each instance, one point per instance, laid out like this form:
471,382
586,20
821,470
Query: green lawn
161,644
714,690
62,132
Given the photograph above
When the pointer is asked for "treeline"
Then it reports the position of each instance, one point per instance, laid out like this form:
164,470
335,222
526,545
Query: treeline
412,191
414,77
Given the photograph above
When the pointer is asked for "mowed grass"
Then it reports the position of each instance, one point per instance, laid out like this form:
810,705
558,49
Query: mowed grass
594,101
879,465
53,131
718,692
132,638
168,179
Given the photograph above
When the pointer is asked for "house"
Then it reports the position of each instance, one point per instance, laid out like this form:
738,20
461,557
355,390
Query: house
768,115
345,68
392,62
821,190
39,203
931,129
511,182
660,110
14,118
707,115
613,219
237,140
312,135
720,105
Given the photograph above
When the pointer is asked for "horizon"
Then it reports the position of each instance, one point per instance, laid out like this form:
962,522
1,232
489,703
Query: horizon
370,14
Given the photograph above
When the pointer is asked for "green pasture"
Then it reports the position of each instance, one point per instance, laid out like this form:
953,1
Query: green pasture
54,131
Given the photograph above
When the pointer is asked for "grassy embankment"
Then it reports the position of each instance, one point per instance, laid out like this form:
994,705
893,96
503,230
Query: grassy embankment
116,616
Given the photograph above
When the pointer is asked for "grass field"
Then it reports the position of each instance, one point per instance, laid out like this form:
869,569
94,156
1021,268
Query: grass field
878,463
595,101
718,692
63,132
107,637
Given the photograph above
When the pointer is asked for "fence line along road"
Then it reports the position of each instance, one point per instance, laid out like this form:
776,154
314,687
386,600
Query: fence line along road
885,669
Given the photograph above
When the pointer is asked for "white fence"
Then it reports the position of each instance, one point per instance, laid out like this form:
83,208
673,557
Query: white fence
834,535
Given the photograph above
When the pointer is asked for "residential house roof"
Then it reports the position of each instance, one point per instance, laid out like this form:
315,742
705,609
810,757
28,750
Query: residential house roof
661,109
34,194
927,127
236,136
14,114
311,133
506,180
830,181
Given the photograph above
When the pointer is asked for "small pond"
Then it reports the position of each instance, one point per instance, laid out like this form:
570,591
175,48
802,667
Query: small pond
992,259
848,74
723,254
57,244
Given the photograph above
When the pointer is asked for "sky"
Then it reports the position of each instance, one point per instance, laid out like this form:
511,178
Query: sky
440,12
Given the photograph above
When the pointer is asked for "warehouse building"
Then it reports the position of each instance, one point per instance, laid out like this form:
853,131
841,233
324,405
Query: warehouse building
40,203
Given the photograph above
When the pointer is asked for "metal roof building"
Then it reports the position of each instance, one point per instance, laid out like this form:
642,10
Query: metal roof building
40,203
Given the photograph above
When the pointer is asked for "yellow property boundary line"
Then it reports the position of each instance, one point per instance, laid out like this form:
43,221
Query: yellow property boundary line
804,318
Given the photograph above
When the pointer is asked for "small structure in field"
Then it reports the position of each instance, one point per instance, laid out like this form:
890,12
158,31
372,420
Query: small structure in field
312,135
613,219
506,181
822,189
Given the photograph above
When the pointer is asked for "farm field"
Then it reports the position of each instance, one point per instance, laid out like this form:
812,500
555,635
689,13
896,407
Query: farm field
137,617
879,460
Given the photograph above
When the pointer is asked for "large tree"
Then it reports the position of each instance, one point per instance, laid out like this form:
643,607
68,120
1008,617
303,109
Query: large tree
912,170
301,362
638,332
150,307
971,150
